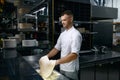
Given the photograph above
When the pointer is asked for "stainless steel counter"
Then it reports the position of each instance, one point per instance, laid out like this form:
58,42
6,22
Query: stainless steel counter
99,58
33,61
22,67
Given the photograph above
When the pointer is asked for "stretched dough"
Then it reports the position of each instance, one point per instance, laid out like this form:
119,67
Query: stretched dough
54,76
46,67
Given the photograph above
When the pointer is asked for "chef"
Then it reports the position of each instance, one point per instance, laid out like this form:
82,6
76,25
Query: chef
69,43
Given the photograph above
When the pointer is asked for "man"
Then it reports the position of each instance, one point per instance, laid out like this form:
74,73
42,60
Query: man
69,43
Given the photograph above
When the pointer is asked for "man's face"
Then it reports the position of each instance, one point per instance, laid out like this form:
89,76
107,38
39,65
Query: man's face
66,20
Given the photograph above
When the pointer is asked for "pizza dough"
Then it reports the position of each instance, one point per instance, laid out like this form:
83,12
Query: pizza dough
46,67
54,75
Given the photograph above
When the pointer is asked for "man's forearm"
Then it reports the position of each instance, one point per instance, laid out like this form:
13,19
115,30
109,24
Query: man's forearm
66,59
52,53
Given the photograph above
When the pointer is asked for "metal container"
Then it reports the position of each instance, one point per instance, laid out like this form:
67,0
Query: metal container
9,43
29,43
25,25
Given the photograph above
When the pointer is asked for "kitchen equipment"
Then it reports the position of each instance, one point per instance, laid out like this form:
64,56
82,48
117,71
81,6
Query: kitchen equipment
25,26
17,39
21,36
104,49
9,43
29,43
22,11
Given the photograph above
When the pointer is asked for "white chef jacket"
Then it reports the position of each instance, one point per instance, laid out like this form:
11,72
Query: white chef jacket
69,41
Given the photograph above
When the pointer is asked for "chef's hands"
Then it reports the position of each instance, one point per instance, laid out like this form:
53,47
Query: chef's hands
57,62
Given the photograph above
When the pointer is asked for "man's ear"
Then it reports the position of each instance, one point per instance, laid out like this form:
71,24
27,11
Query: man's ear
59,19
71,19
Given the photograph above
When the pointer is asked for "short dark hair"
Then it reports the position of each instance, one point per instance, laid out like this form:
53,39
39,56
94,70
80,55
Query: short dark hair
68,12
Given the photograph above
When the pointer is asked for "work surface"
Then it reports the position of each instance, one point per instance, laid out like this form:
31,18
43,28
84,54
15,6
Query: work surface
24,67
17,67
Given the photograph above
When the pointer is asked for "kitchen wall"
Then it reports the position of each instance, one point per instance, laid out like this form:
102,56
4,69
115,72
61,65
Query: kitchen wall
116,36
116,3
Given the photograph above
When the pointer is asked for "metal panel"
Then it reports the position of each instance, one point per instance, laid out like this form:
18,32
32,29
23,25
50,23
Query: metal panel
99,12
104,35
